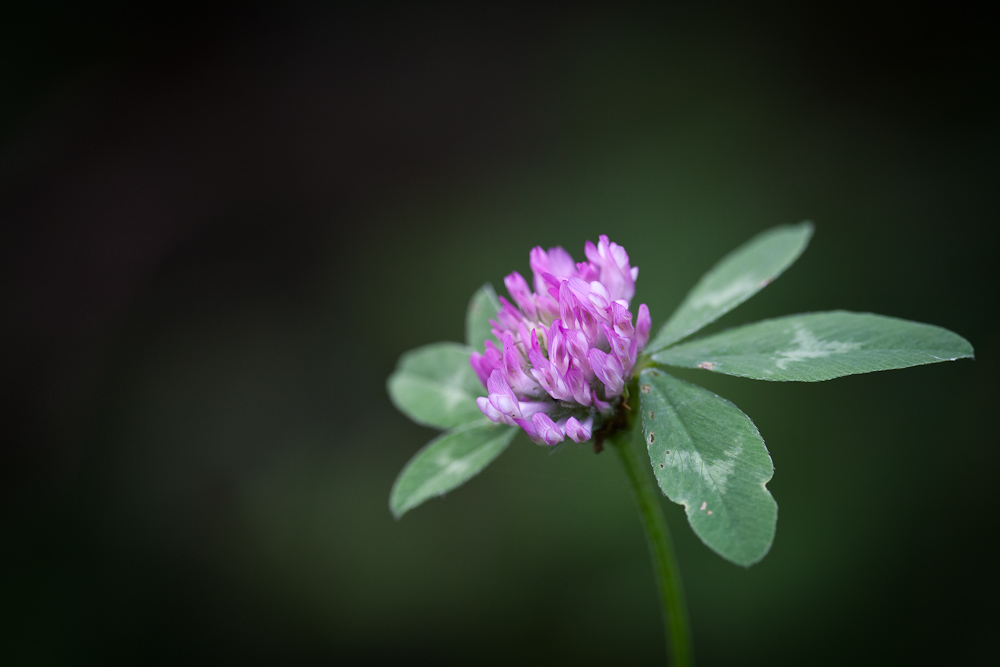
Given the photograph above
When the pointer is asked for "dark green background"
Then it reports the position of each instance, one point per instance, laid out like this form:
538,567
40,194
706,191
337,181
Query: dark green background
221,228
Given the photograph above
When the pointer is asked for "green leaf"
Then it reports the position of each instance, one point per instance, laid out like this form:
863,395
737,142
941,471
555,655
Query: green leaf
447,462
435,386
819,346
483,307
709,457
737,277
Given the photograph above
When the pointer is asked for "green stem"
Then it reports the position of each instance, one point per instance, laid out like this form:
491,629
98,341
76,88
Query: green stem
675,618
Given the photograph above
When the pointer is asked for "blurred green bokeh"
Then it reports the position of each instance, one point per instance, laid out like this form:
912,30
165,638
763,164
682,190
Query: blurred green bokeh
224,235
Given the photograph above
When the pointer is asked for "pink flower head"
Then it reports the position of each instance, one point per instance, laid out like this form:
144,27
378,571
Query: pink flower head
565,351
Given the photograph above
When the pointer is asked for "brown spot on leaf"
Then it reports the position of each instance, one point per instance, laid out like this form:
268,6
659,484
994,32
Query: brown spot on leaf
651,414
708,365
652,437
645,388
662,466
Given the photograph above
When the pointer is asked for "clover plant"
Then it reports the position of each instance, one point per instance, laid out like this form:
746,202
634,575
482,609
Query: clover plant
569,359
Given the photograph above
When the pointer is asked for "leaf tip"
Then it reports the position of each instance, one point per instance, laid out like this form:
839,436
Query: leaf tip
394,508
968,352
805,231
398,506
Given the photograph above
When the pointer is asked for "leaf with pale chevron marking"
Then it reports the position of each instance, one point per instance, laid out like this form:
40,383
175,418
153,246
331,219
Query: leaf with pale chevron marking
818,346
737,277
709,457
434,385
447,462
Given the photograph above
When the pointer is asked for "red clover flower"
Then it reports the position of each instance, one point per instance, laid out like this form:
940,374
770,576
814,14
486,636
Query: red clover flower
566,350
